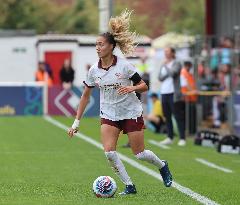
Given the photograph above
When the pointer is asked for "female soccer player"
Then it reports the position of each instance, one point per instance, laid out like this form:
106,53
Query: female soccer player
120,109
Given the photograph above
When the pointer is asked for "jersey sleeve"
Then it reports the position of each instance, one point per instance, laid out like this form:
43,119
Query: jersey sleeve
130,70
90,82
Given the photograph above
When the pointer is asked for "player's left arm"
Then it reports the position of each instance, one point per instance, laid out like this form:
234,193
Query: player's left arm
138,86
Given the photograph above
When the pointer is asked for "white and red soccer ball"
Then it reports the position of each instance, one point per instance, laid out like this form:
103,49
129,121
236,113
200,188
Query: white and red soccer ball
104,186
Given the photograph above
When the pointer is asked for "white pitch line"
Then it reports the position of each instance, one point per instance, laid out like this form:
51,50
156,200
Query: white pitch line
158,144
185,190
212,165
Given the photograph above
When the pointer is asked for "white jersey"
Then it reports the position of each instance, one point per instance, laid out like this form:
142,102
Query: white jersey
113,106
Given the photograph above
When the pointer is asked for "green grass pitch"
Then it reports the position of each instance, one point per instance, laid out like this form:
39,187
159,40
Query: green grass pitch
40,165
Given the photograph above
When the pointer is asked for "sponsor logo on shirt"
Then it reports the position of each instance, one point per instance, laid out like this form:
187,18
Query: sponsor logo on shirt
111,86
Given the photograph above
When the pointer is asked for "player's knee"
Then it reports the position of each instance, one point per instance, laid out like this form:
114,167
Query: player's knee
141,155
111,155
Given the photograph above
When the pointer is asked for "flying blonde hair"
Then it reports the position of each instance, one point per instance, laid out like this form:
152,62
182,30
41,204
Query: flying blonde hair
119,28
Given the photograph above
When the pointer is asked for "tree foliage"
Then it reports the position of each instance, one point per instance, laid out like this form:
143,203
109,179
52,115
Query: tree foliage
47,16
138,22
186,16
81,16
27,14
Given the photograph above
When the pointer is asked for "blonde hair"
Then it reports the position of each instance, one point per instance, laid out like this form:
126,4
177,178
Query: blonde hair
119,29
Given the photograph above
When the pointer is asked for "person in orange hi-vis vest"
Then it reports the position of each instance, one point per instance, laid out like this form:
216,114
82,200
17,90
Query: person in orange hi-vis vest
188,84
42,75
189,90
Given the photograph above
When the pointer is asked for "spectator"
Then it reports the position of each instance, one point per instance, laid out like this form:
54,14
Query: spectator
41,74
169,76
225,78
156,117
219,102
49,70
236,76
189,90
67,74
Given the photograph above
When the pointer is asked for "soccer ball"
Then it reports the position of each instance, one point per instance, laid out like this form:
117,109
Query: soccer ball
104,186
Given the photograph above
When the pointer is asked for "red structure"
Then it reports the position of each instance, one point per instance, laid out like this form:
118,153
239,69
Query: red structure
209,17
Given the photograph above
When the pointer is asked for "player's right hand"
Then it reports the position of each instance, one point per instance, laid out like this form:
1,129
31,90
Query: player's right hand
71,132
74,128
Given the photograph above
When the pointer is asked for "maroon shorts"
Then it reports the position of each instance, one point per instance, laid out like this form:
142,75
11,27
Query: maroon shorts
128,125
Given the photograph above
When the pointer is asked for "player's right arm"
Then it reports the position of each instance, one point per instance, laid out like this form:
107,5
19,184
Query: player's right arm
82,105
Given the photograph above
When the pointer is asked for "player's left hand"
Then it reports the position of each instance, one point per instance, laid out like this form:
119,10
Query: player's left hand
125,90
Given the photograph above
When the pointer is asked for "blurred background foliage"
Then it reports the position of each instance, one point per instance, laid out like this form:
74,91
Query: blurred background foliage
81,16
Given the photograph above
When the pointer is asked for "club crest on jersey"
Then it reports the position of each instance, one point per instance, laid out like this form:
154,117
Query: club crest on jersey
119,75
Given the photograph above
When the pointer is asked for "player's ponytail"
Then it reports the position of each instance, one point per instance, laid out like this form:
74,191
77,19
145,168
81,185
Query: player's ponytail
119,28
119,33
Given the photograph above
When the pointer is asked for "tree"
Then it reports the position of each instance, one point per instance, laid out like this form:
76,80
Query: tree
186,16
82,17
152,17
48,16
28,14
138,22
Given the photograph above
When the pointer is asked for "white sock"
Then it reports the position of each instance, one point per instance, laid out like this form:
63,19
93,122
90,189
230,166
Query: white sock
150,157
118,167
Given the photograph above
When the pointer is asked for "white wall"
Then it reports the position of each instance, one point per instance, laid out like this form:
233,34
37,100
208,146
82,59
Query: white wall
21,66
85,55
18,59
